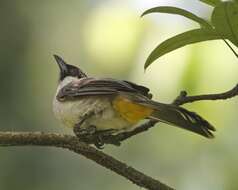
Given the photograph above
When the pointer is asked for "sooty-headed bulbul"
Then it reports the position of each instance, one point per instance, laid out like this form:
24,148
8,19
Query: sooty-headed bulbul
96,105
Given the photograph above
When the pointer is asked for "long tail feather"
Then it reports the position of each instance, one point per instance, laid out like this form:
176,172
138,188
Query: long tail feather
180,117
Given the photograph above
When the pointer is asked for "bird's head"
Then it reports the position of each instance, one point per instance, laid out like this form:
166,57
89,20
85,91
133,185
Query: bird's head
68,70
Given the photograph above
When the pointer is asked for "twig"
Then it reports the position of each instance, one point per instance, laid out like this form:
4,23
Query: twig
73,144
183,98
231,48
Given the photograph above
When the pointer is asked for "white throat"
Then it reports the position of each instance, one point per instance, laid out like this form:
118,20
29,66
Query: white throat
65,81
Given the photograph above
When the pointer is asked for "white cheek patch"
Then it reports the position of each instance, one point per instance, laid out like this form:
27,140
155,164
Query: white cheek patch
64,82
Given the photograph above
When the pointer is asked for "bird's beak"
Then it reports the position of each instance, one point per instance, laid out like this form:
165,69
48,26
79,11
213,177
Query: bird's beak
68,70
61,63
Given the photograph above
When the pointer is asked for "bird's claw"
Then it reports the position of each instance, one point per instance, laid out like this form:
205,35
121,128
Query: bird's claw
98,138
84,132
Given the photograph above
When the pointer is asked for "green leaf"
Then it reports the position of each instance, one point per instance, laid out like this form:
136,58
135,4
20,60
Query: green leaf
180,40
179,11
211,2
225,20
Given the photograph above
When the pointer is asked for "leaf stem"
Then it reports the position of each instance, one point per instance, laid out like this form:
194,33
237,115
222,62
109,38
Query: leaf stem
231,48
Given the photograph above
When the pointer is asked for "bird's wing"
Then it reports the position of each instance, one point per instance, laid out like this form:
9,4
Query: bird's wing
142,89
92,87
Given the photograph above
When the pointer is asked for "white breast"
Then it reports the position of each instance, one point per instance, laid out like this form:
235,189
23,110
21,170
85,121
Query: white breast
71,112
103,115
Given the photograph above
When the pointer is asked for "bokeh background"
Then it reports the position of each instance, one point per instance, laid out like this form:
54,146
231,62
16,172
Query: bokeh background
108,38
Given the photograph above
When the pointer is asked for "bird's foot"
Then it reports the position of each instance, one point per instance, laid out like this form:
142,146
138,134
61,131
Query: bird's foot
105,137
84,132
91,135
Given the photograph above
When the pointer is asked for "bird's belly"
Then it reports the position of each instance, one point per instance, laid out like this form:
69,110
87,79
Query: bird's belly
100,114
109,119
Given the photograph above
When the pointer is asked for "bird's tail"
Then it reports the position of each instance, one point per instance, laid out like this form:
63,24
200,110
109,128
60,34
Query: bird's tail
180,117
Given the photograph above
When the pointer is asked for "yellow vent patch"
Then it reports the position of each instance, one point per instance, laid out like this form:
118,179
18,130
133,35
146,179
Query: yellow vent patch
130,111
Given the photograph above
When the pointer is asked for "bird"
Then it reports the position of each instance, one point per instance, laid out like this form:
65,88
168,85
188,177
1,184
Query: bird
91,105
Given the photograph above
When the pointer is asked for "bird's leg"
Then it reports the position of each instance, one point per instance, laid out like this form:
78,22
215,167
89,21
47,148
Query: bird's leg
90,134
105,136
84,132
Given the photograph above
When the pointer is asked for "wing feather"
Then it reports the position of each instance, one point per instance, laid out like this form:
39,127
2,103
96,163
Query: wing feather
93,86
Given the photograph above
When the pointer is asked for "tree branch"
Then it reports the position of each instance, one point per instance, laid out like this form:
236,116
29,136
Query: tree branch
72,143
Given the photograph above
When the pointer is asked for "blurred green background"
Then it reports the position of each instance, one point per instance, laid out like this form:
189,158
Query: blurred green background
108,38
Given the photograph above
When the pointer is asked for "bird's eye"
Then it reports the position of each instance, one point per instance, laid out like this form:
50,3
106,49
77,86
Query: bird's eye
73,72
